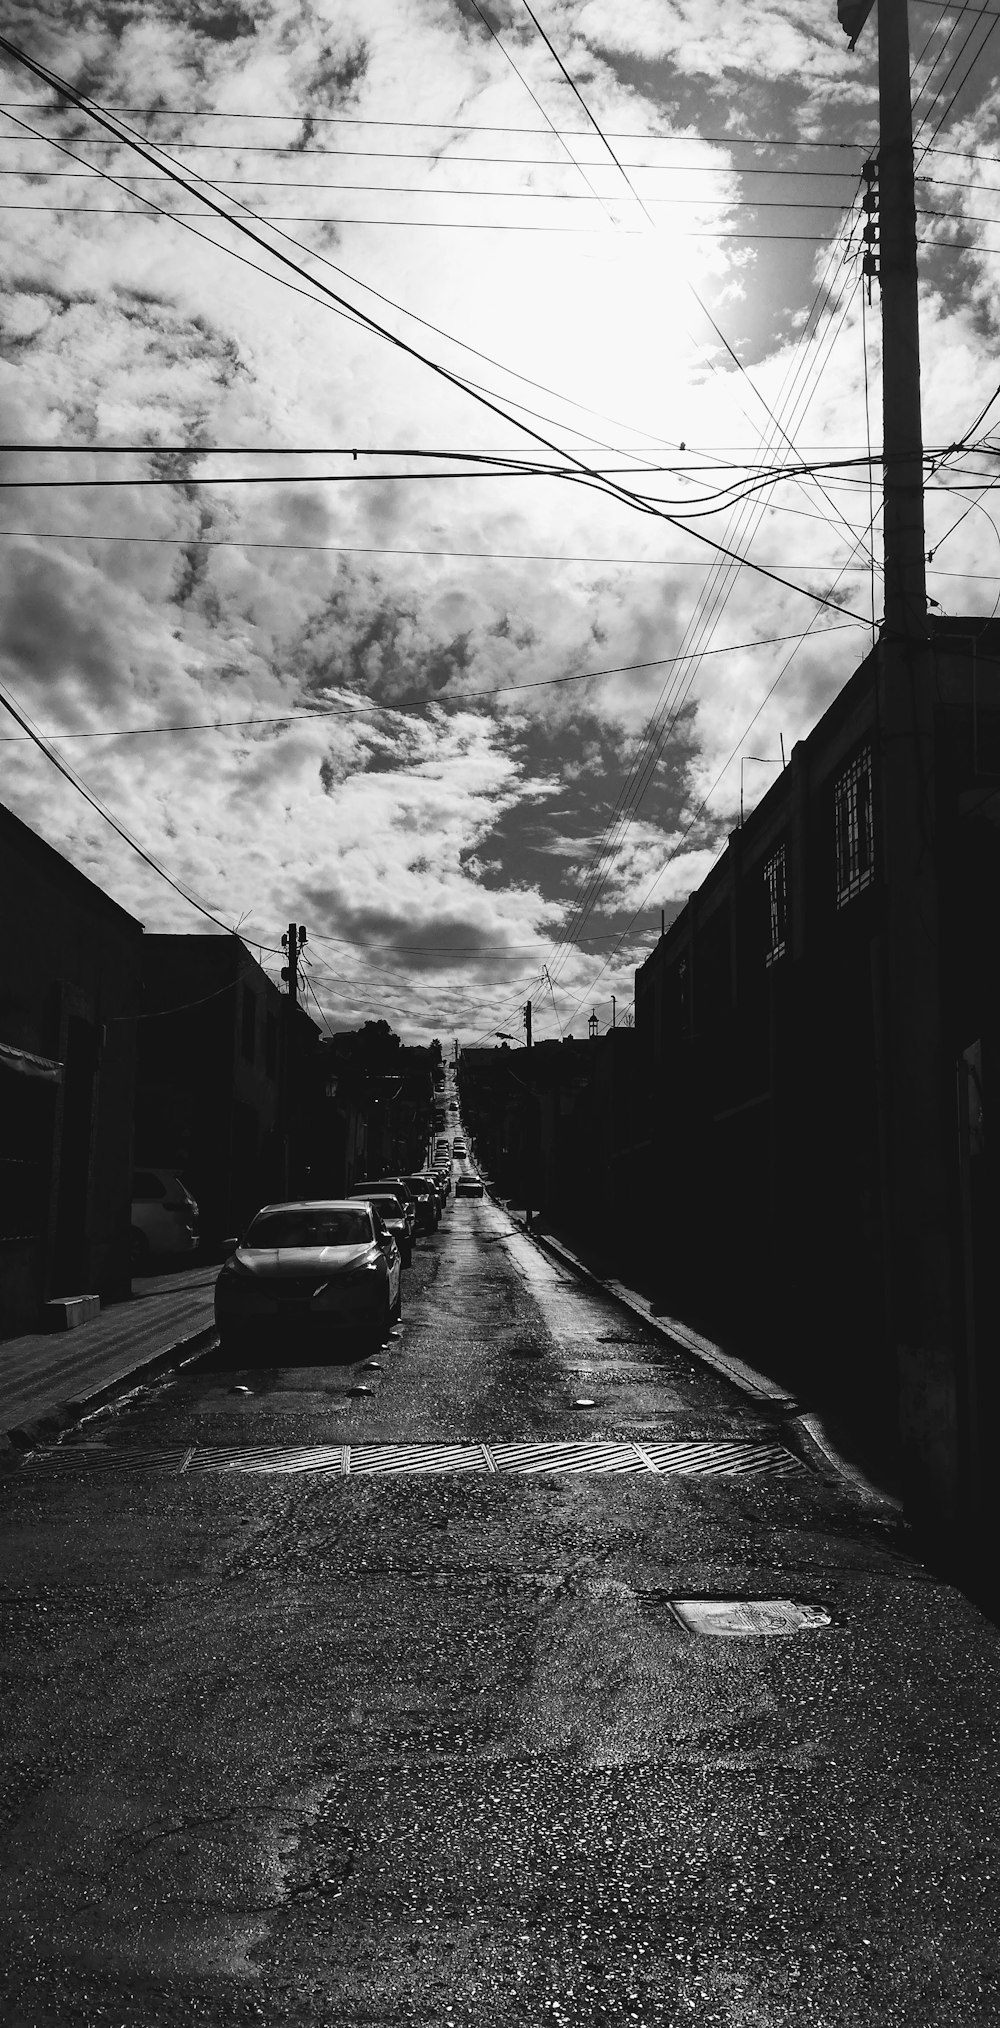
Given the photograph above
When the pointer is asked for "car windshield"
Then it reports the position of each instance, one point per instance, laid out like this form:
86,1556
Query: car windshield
298,1225
388,1207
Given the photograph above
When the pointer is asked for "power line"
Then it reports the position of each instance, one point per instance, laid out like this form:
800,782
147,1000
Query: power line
92,111
427,190
42,741
411,224
425,703
380,549
449,126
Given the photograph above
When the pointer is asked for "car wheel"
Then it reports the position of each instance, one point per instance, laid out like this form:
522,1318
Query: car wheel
139,1251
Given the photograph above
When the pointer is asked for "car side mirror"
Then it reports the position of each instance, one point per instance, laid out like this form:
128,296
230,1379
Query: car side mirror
230,1245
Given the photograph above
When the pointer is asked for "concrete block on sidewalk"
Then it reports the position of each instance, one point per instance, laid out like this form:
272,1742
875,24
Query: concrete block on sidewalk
66,1313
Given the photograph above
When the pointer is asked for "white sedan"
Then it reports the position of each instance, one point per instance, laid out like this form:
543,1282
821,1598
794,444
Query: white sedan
318,1270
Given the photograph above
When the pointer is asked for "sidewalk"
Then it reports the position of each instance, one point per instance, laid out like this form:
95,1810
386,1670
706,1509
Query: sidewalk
49,1379
813,1432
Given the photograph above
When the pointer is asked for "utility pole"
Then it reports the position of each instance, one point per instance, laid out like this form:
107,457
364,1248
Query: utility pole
907,960
904,542
291,944
531,1123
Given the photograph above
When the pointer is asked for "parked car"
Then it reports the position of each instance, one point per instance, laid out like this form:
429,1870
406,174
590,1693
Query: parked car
459,1146
398,1187
317,1268
469,1186
164,1216
428,1209
393,1214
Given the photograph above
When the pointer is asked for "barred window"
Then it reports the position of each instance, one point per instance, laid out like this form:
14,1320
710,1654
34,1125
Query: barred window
776,883
855,827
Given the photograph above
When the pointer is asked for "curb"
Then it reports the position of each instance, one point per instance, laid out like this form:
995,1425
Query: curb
756,1386
57,1416
801,1425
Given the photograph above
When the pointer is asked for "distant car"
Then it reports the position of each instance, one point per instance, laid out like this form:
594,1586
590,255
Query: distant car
316,1268
164,1216
392,1212
469,1186
428,1209
459,1146
398,1186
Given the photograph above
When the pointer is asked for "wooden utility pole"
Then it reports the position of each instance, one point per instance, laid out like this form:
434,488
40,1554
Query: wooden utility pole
292,944
904,542
531,1121
918,1248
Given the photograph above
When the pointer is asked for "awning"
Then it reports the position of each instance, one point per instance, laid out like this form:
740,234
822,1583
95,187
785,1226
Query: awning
30,1066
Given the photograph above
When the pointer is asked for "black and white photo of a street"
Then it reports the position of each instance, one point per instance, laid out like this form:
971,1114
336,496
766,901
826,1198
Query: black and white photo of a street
499,1015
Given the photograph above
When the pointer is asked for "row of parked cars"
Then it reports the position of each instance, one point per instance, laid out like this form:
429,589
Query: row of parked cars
326,1268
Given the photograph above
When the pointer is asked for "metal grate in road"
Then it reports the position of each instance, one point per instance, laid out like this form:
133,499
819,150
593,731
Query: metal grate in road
569,1457
343,1461
368,1459
768,1459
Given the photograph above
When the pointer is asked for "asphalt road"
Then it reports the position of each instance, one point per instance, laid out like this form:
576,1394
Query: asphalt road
306,1747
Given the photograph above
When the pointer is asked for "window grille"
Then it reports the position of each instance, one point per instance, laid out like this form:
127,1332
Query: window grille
776,882
855,826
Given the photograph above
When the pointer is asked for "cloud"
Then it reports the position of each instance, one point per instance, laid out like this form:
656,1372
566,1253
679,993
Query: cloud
447,847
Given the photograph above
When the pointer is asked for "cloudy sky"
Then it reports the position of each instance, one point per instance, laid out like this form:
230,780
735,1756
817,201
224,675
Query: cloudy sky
412,604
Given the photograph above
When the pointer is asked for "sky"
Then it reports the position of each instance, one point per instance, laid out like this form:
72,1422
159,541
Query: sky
438,559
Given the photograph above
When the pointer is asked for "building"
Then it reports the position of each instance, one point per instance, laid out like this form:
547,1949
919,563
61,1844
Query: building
819,1035
226,1089
68,1002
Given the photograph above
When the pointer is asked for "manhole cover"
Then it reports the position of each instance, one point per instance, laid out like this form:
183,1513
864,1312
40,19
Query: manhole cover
747,1616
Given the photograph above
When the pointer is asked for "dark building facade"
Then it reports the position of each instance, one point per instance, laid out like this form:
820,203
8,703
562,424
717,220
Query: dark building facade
227,1080
68,1001
819,1036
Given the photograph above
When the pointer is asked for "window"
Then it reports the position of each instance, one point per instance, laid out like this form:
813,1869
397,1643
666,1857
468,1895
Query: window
855,828
249,1026
776,883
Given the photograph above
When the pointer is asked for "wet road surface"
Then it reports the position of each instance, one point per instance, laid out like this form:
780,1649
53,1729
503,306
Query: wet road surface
299,1730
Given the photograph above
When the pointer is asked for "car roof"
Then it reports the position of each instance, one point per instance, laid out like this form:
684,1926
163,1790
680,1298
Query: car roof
308,1204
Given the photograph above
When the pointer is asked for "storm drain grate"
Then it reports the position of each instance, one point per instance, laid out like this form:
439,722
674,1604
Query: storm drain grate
342,1461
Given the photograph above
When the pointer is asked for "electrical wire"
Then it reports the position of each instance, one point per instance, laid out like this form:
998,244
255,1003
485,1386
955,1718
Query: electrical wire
92,111
404,704
43,742
727,140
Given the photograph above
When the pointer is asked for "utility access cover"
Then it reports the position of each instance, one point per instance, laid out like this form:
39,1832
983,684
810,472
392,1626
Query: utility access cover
742,1616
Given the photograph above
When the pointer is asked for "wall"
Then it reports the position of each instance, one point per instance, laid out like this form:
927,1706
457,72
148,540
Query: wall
69,997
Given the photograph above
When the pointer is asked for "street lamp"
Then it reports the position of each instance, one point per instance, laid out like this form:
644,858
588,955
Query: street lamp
593,1026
